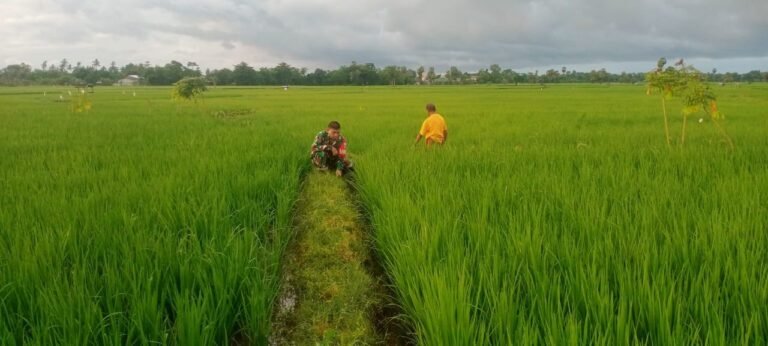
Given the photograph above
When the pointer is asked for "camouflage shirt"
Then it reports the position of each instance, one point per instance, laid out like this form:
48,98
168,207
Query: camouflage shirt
321,148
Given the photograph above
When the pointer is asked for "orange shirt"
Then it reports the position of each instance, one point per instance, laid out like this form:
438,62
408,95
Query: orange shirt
433,128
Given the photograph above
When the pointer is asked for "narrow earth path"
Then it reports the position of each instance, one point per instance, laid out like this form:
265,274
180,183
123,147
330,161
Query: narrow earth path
333,292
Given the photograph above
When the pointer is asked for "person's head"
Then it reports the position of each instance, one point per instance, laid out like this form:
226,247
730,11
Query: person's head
431,108
334,128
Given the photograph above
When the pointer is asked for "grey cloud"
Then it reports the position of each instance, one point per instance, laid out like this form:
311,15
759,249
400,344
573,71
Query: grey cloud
228,45
468,34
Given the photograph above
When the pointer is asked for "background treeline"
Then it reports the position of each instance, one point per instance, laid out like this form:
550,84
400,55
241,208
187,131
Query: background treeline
65,73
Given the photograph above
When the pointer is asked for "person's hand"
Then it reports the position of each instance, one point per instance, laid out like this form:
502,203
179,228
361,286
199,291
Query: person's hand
338,172
335,151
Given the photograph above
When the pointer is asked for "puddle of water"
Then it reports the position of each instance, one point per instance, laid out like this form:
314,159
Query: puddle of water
283,318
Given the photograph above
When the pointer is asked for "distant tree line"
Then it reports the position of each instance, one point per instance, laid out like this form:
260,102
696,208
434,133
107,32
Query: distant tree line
65,73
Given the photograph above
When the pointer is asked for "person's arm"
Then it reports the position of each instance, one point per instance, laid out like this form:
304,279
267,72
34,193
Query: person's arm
339,167
422,132
445,136
342,154
318,145
332,146
342,150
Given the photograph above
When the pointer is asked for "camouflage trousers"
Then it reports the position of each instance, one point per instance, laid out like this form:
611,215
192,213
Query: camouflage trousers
326,160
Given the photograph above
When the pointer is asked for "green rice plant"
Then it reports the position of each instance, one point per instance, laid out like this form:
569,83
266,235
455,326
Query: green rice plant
119,226
516,234
552,217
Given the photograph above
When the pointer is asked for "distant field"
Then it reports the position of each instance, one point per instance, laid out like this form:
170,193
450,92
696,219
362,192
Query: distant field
552,216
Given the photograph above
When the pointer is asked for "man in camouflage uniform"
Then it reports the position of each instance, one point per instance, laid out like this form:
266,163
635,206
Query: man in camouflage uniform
329,150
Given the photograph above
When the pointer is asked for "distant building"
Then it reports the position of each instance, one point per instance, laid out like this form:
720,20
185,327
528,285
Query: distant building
130,80
422,79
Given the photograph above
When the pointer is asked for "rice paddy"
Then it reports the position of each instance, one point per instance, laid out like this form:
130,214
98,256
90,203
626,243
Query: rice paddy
552,216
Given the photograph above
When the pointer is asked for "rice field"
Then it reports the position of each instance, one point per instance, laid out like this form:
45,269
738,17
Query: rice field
140,222
552,216
562,218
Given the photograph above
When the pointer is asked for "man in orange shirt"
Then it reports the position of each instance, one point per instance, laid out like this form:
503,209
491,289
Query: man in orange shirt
433,129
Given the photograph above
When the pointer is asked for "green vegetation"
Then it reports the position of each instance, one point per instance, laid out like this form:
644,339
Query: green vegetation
329,294
189,88
65,73
133,223
552,216
559,217
689,84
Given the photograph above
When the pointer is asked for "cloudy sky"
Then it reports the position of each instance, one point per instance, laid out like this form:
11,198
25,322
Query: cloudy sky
524,35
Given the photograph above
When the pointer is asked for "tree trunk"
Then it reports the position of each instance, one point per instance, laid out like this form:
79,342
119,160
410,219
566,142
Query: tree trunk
666,120
723,132
682,135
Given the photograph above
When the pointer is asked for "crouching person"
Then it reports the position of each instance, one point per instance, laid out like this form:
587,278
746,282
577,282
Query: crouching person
329,150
